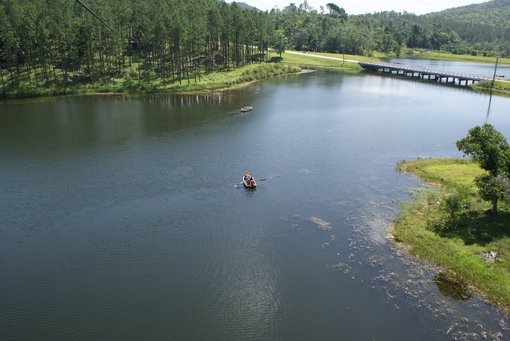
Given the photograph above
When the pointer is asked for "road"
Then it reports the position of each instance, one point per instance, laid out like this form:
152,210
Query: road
323,57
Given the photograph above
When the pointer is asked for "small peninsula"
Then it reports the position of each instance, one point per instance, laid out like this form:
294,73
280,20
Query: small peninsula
447,224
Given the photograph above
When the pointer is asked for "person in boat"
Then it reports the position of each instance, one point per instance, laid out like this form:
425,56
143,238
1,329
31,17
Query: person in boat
248,179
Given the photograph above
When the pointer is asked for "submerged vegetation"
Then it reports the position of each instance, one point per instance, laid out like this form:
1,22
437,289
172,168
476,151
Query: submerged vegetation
447,223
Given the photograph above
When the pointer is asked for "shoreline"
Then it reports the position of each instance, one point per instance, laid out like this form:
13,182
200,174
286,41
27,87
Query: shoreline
445,224
445,56
221,81
214,82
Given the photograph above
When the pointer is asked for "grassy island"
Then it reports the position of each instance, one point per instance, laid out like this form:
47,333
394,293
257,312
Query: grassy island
447,224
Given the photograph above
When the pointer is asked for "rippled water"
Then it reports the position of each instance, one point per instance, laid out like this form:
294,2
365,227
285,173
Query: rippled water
122,216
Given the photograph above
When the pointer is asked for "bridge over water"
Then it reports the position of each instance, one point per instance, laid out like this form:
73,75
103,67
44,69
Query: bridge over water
423,73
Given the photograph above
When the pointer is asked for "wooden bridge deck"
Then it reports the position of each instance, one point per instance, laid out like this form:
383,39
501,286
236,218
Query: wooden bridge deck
423,73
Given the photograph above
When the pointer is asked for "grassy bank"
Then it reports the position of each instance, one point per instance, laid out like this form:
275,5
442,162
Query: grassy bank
132,84
441,55
375,56
446,224
320,63
500,87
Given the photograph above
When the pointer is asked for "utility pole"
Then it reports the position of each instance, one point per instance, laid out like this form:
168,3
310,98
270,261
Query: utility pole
490,91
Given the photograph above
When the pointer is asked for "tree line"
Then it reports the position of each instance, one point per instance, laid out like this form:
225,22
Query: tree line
58,42
477,29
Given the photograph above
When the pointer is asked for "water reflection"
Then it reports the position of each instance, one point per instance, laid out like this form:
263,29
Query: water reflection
81,122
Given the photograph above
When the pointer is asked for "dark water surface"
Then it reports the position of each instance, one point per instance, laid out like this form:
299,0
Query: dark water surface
121,217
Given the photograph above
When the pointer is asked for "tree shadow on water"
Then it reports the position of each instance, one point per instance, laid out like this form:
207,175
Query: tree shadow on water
449,285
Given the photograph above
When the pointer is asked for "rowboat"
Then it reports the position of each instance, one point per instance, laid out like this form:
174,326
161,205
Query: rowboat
250,184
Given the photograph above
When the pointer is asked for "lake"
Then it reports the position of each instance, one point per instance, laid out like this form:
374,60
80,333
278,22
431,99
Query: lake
473,68
122,217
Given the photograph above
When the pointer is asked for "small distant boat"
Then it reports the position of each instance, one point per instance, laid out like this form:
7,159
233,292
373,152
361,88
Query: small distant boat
246,109
500,76
250,183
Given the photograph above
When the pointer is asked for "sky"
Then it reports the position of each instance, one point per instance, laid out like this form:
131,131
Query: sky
369,6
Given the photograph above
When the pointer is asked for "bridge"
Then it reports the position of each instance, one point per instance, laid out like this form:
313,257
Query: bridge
423,73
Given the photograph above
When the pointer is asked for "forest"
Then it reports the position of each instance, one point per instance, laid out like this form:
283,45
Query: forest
482,29
66,42
58,41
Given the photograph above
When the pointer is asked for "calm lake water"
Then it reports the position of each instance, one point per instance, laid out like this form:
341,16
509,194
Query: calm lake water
483,69
122,217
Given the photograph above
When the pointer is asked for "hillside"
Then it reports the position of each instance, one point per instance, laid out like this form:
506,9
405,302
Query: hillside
493,9
486,22
245,6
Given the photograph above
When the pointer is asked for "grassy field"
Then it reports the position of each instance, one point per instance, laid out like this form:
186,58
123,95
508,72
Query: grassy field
447,224
373,58
311,62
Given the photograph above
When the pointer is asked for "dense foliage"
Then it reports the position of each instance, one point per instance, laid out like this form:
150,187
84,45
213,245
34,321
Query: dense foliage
489,148
59,43
483,27
477,29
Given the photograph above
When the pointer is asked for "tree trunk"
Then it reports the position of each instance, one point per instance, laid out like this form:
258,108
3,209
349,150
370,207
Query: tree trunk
494,207
2,79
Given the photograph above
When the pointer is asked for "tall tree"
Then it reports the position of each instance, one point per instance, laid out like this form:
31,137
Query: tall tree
491,151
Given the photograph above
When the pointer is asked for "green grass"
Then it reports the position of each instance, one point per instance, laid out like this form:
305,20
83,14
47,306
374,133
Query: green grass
458,173
311,62
375,56
218,80
446,223
130,83
441,55
500,87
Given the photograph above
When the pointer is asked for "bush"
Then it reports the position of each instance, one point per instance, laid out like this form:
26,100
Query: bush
456,203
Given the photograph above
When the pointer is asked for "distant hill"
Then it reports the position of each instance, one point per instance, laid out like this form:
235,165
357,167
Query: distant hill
498,8
244,5
491,13
486,22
